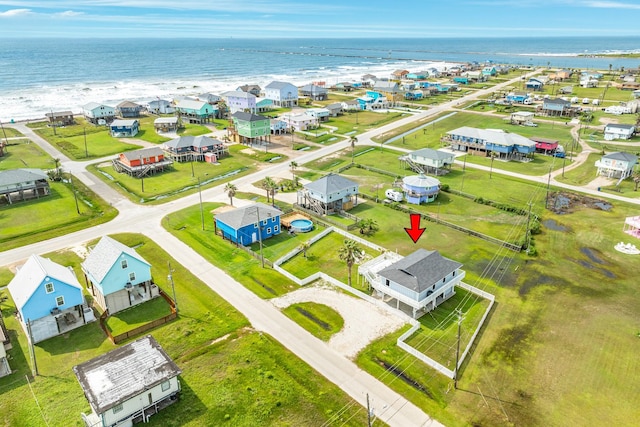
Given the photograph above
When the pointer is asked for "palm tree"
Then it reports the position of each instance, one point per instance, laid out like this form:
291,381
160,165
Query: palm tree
231,190
353,140
293,165
350,252
368,226
304,247
636,180
269,185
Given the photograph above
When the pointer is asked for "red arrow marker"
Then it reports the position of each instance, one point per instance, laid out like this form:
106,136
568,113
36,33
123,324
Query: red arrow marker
415,231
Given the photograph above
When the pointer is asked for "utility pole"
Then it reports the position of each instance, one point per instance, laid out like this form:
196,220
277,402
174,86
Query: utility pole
75,195
369,413
141,174
86,152
546,200
201,209
528,235
260,236
455,377
173,288
4,134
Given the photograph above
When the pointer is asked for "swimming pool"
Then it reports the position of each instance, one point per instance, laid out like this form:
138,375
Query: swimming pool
301,225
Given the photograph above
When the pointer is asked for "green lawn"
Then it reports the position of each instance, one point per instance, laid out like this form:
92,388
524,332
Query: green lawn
193,130
320,320
230,373
9,132
138,315
147,131
583,174
362,121
25,154
71,140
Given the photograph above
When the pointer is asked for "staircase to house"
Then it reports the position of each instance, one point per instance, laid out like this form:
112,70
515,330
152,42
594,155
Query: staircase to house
413,165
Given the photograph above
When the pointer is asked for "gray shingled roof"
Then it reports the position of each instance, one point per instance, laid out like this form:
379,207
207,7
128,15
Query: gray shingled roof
420,270
125,372
431,154
192,141
277,85
104,255
330,184
619,126
620,155
248,117
18,176
241,217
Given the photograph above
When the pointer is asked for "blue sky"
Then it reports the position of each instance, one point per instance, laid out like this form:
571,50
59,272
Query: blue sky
320,18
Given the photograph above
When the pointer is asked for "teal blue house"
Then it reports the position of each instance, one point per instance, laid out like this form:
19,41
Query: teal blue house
196,111
117,276
249,224
48,298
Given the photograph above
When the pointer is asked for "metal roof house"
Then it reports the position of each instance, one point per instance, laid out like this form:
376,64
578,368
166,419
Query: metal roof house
422,280
283,94
249,224
48,298
98,113
618,131
420,189
484,141
128,109
23,184
616,165
120,128
129,384
329,194
189,148
117,276
427,160
60,118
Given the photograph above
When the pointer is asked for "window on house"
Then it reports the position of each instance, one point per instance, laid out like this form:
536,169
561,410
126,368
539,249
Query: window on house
276,228
255,225
269,230
117,408
48,287
165,385
132,277
124,264
443,279
264,222
59,301
386,282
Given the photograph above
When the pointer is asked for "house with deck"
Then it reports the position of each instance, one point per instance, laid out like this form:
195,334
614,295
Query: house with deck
422,281
299,122
545,145
98,114
427,160
23,184
209,98
129,384
194,148
283,94
5,345
250,128
254,90
534,84
557,107
329,194
160,106
522,118
117,276
166,124
388,89
60,118
399,74
248,224
618,131
616,165
320,114
121,128
335,109
316,93
278,126
238,100
129,109
48,299
506,145
198,112
142,162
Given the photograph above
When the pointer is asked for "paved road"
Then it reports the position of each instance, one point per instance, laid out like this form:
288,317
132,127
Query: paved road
390,406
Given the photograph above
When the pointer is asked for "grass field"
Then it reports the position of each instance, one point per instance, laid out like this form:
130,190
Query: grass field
138,315
25,154
231,373
320,320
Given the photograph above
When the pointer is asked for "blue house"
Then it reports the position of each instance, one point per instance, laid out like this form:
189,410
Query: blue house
249,224
124,128
534,84
420,189
48,298
117,276
489,71
196,111
461,80
128,109
423,280
505,145
517,97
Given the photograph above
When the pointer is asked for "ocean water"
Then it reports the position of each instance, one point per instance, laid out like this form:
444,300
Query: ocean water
40,75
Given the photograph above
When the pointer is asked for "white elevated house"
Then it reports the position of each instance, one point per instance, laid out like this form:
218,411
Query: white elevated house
283,94
329,194
423,280
427,160
299,122
616,165
129,384
618,131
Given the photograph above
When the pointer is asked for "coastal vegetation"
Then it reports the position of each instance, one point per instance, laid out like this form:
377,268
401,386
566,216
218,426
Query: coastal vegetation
320,320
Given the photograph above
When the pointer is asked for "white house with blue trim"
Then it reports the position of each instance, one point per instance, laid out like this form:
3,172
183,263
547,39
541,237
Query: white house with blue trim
48,299
117,276
124,128
249,224
283,94
422,280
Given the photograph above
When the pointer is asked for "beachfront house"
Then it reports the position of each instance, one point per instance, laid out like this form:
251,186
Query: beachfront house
248,224
422,280
117,276
399,74
48,299
255,90
316,93
60,118
166,124
283,94
616,165
483,142
427,160
121,128
189,148
618,131
128,109
193,111
250,128
238,100
329,194
160,106
209,98
98,114
129,384
344,86
264,105
23,184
